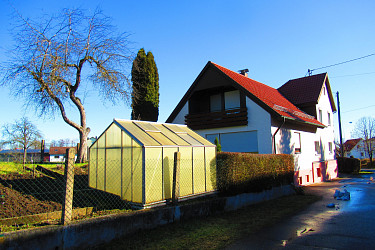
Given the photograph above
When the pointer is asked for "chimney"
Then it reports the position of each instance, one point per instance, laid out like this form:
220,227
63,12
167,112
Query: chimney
244,72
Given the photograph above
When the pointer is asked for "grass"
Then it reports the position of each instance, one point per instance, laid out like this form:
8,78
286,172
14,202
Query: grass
215,232
12,167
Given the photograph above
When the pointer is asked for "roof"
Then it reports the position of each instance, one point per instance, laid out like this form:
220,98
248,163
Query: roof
350,144
58,150
307,90
265,96
19,151
161,134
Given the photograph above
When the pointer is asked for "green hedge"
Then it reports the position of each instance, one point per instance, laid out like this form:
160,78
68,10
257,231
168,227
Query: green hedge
243,172
348,165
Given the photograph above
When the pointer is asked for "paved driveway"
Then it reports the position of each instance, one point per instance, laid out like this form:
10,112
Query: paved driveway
348,225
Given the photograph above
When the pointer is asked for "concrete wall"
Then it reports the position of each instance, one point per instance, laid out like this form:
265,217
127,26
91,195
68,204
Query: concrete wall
88,233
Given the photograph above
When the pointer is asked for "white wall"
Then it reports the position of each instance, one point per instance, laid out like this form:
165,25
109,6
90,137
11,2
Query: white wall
180,118
259,122
286,137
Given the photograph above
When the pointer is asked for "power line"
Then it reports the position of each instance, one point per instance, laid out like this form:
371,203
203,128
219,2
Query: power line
360,74
309,71
359,109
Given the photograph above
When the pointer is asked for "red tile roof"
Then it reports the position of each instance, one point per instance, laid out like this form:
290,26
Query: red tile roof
58,150
350,144
271,97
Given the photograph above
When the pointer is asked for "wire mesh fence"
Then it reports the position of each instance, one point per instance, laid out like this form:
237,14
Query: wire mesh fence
35,196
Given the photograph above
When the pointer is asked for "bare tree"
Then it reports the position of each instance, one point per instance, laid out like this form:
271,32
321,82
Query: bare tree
365,129
51,57
22,133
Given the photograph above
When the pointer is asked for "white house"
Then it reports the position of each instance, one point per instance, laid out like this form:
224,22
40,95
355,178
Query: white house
248,116
57,154
356,148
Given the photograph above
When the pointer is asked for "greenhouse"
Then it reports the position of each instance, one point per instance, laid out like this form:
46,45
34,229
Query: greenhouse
134,160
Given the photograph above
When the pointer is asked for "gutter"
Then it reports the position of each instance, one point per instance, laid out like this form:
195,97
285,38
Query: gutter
273,136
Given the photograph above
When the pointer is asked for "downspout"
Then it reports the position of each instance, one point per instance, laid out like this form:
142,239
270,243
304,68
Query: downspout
274,134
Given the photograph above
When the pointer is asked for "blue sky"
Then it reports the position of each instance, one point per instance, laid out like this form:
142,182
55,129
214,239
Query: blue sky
276,40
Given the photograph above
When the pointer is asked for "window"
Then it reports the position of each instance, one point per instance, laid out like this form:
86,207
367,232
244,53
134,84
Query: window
362,154
215,103
317,147
320,116
297,142
329,119
232,99
56,157
330,147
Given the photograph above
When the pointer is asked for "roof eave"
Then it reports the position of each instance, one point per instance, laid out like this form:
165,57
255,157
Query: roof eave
304,122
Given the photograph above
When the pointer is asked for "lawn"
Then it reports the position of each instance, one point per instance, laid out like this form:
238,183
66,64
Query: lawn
215,232
11,167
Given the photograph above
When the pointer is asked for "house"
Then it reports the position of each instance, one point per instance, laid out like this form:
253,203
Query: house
356,148
135,160
16,155
57,154
249,116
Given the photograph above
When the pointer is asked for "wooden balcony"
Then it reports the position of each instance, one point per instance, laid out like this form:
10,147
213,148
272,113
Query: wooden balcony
227,118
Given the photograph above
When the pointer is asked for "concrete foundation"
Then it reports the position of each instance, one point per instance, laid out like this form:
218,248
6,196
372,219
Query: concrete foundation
91,232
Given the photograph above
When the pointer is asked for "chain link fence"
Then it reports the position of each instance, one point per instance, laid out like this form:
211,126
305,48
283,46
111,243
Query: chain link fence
38,194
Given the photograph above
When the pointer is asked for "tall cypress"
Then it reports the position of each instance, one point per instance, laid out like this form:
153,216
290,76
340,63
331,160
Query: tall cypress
145,95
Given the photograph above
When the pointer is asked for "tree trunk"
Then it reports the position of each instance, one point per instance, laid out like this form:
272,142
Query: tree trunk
82,148
24,158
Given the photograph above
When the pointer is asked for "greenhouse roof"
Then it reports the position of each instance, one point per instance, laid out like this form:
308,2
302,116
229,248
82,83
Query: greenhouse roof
161,134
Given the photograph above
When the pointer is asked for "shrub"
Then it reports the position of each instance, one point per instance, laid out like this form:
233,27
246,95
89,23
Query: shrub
348,165
365,163
244,172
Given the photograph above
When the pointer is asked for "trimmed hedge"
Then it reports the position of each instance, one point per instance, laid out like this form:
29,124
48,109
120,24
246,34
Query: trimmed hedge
348,165
243,172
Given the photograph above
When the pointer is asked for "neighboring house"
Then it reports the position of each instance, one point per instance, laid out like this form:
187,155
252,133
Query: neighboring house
57,154
11,155
248,116
355,148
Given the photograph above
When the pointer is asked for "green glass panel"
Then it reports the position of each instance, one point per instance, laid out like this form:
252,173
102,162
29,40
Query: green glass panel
161,138
113,171
126,140
196,136
113,135
186,174
138,133
101,167
127,173
189,139
154,174
146,126
210,168
168,163
93,166
199,174
137,180
171,135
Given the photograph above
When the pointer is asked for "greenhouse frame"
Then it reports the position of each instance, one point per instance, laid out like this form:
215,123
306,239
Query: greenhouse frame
135,159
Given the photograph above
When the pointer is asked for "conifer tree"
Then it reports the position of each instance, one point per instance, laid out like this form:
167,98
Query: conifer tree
145,95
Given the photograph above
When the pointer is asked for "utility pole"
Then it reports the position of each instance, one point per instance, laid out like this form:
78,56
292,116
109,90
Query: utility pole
338,108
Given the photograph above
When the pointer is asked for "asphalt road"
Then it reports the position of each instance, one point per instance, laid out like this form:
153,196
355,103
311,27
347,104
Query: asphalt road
348,225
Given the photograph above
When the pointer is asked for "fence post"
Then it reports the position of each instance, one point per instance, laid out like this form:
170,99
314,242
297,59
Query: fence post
66,215
176,178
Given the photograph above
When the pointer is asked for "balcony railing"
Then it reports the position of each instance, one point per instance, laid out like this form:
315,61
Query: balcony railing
227,118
